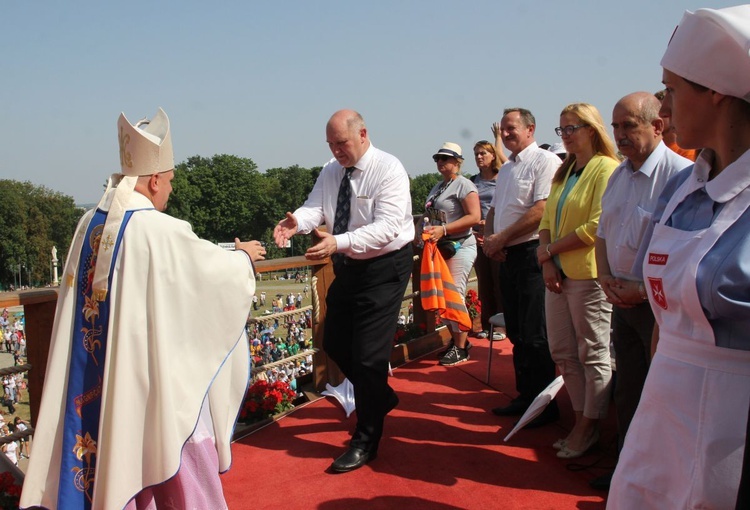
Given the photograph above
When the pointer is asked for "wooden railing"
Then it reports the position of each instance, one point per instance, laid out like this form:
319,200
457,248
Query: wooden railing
39,310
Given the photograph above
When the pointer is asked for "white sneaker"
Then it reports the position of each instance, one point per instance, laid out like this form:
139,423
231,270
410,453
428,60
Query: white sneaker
498,336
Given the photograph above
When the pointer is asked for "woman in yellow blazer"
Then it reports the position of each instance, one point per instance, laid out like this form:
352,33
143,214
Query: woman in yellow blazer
578,314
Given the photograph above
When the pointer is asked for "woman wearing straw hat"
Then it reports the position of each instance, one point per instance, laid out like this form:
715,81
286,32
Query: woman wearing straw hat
685,446
452,209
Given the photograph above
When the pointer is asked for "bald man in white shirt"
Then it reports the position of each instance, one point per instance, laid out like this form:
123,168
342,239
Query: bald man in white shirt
372,254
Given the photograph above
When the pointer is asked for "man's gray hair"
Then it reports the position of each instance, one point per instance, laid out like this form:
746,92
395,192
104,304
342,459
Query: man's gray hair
648,109
355,122
526,116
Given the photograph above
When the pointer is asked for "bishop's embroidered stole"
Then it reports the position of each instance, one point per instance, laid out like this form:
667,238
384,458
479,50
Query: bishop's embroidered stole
85,373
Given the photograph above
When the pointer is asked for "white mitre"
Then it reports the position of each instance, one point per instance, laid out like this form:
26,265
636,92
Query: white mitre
145,149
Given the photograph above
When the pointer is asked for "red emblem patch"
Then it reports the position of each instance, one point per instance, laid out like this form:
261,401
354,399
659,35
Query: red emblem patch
657,291
658,259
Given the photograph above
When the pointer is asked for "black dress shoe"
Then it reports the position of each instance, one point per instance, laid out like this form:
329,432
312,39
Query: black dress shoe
353,458
601,483
549,415
516,408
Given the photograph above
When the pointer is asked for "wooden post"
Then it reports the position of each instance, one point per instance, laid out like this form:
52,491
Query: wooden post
326,370
39,312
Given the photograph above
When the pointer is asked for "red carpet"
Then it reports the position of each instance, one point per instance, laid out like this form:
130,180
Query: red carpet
441,450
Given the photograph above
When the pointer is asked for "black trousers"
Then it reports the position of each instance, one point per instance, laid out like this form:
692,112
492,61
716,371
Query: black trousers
522,287
488,283
743,493
363,306
631,336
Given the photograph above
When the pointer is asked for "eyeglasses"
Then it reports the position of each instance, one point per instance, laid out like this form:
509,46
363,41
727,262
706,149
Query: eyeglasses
568,130
441,158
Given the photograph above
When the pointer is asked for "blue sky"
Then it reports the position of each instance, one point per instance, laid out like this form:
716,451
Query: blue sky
260,79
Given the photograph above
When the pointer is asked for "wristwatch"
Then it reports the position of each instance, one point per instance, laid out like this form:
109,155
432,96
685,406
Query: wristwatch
642,291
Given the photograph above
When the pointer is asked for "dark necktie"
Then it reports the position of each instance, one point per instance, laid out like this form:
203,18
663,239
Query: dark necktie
343,203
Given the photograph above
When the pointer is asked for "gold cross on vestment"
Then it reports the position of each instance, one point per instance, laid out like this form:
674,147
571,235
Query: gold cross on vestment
108,243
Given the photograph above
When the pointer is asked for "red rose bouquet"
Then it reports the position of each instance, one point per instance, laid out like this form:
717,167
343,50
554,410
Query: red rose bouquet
473,304
10,492
409,331
264,399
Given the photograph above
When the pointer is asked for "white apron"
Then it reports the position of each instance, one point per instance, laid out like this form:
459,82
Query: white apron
685,445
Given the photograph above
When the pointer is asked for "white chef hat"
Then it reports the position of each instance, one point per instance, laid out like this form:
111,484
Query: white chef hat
145,149
711,47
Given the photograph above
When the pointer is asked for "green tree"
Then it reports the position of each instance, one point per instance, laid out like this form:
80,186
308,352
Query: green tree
33,219
226,197
12,232
287,189
420,188
221,197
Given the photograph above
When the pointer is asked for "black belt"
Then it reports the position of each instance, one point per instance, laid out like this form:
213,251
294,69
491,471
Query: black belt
523,246
348,261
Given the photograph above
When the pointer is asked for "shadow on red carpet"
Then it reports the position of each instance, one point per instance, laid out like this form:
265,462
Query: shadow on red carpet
441,449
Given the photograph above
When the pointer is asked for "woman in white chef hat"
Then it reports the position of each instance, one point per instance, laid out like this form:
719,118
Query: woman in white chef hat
685,446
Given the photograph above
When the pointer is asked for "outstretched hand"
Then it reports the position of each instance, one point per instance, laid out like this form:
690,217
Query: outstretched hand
254,249
284,230
325,248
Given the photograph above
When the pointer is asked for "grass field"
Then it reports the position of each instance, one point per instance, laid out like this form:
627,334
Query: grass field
283,287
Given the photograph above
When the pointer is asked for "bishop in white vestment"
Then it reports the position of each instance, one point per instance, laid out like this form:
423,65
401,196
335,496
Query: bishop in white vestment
142,390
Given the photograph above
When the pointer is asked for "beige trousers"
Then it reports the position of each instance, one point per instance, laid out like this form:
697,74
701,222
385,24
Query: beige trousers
578,326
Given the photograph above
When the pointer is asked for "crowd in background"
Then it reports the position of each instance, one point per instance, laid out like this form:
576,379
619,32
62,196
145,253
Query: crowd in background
14,385
271,343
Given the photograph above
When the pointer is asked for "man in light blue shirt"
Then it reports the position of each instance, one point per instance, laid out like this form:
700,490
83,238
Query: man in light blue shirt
627,207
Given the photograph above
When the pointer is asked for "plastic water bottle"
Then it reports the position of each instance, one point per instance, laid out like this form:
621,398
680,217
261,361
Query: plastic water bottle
425,224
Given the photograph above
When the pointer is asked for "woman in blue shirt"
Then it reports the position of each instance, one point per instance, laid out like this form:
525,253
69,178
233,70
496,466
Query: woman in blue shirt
488,270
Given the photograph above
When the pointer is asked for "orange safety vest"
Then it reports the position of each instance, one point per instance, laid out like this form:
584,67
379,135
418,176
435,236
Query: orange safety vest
438,290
